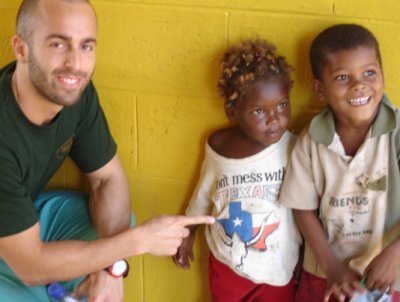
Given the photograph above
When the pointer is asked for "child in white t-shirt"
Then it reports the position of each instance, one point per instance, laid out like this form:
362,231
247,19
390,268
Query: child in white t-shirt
254,243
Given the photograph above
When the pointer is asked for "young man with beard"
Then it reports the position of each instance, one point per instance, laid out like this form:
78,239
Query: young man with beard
49,109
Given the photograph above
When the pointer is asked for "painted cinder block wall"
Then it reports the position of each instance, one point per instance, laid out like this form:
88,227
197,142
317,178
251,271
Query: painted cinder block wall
157,68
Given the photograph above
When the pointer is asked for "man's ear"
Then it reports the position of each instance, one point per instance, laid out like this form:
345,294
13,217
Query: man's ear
20,48
318,90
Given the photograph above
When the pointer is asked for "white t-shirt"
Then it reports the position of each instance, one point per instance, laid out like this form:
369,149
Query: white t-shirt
253,233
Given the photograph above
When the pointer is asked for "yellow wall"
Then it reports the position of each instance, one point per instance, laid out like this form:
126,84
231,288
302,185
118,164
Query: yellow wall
156,72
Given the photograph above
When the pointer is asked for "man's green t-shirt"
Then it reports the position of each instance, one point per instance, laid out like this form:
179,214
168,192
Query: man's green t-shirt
30,154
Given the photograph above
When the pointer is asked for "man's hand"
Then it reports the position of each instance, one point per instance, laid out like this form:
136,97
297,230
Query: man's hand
162,235
100,287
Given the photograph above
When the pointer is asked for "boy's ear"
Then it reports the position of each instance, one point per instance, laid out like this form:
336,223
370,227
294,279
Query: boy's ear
318,90
20,48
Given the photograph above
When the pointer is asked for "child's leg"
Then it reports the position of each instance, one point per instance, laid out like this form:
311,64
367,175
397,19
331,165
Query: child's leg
311,288
227,286
396,296
269,293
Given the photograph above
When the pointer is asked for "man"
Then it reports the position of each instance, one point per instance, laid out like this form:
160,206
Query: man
48,110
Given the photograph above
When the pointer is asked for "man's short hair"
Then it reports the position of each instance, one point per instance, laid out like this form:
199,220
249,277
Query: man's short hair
336,38
27,20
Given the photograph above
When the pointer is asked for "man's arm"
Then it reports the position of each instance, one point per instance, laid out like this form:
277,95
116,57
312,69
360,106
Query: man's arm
109,199
109,204
36,262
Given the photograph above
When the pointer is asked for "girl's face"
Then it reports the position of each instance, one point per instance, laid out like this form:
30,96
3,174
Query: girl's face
264,113
352,85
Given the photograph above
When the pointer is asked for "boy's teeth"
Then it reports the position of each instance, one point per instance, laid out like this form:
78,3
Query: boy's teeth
359,101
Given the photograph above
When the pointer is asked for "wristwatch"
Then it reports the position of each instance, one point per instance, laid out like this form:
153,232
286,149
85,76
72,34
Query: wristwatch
118,269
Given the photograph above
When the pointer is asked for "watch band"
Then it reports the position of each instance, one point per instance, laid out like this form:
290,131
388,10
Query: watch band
118,269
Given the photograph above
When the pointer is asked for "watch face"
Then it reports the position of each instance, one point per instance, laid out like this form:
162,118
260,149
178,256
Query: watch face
119,268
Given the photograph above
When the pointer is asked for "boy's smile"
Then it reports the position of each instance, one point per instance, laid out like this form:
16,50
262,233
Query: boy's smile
359,101
352,85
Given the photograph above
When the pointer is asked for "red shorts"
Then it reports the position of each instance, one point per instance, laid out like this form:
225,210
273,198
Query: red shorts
312,289
227,286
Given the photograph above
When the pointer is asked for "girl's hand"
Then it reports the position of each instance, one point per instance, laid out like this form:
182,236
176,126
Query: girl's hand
184,254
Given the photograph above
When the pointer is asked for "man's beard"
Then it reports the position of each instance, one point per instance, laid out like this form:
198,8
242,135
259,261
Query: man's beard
48,89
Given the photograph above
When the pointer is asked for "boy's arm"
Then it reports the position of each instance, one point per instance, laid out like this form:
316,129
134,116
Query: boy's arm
383,270
341,280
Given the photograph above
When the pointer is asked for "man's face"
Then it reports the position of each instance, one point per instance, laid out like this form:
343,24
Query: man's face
61,53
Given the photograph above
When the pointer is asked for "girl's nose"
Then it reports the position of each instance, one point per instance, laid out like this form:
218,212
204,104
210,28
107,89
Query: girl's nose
271,117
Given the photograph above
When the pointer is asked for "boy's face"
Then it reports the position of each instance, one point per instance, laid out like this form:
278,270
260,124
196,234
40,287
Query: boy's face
352,85
264,114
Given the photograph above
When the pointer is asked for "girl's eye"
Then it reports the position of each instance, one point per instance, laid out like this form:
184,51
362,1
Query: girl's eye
258,111
342,77
370,73
282,106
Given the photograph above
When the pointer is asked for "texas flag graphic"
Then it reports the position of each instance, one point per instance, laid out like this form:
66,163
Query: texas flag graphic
253,229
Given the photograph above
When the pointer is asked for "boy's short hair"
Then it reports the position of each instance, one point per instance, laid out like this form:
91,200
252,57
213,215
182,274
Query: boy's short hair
336,38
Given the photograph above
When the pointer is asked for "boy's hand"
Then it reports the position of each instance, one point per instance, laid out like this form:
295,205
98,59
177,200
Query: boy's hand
342,282
185,252
382,271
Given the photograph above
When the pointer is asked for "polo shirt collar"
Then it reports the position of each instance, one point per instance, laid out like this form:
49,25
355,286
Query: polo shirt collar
322,126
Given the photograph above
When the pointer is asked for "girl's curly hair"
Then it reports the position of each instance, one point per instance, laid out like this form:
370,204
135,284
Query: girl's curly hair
248,63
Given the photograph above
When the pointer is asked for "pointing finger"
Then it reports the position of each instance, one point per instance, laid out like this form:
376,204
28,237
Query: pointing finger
191,220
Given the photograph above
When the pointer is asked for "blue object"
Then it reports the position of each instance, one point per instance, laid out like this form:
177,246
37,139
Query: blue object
373,296
57,292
